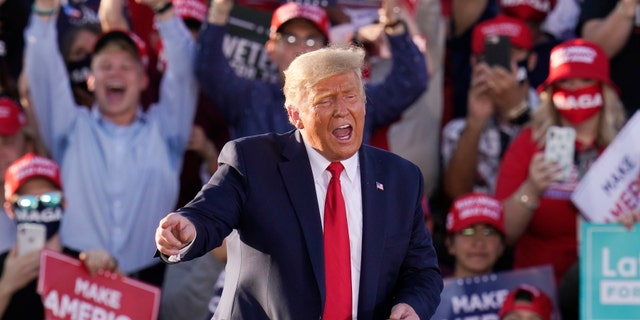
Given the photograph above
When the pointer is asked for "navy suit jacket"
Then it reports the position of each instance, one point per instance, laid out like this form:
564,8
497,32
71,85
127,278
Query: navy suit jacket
264,188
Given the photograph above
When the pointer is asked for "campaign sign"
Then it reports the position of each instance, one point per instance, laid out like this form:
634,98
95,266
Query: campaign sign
611,186
480,298
68,291
243,45
609,272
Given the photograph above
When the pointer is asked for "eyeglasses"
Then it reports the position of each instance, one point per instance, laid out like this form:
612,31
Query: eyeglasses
485,232
293,40
31,202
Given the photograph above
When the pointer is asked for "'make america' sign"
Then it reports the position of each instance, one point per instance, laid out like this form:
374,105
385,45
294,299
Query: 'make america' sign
69,292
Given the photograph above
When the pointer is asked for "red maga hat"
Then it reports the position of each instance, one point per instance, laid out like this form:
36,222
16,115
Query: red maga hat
577,58
517,31
294,10
540,303
475,208
12,118
28,167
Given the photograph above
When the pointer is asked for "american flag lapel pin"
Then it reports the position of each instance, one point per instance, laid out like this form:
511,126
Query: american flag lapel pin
379,186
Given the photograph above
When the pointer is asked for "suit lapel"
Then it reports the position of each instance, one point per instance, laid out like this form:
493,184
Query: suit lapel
373,231
298,179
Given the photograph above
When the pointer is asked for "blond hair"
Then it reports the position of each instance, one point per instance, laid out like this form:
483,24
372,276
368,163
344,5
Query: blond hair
310,68
612,117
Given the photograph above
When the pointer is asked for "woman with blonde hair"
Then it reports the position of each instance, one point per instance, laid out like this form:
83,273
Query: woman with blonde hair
540,219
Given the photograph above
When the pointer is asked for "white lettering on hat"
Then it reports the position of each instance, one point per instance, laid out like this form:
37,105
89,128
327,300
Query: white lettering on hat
479,206
35,166
584,101
571,54
540,5
508,29
4,112
304,12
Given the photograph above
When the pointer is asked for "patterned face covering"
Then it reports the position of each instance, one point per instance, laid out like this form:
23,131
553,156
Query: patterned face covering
577,106
45,209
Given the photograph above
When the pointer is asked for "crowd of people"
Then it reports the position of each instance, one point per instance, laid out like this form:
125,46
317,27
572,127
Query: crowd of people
130,121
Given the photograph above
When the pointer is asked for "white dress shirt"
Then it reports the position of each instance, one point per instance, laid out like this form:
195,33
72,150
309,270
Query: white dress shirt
352,194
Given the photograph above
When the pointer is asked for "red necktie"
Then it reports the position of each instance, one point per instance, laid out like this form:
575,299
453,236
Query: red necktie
337,260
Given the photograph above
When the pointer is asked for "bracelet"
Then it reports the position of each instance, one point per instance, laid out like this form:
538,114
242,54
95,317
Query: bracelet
518,110
164,8
526,202
391,27
45,13
393,24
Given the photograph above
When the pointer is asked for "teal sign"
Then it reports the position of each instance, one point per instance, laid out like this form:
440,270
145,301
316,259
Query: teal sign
609,272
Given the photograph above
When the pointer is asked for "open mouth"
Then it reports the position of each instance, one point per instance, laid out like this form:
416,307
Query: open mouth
115,91
343,132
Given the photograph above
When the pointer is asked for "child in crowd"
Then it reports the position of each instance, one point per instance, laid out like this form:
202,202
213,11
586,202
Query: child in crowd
526,303
475,234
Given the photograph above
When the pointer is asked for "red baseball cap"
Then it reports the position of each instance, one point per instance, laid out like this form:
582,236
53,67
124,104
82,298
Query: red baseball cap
517,31
12,117
527,10
190,9
472,209
577,58
133,41
293,10
540,303
28,167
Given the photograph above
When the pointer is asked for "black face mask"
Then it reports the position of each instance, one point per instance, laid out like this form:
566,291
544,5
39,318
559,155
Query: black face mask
79,71
523,72
45,209
47,216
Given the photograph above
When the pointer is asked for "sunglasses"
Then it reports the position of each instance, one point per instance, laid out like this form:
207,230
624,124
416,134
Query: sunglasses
293,40
486,232
31,202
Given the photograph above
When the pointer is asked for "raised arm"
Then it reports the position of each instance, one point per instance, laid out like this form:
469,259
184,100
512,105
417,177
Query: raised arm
611,32
178,88
47,75
228,91
407,79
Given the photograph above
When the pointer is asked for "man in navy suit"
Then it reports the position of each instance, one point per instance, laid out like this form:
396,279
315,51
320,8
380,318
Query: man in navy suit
271,188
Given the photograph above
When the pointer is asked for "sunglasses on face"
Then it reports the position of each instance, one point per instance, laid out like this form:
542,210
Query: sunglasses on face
31,202
486,232
293,40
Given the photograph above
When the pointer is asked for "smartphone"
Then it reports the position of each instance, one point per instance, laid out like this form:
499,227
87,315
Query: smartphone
560,147
31,237
497,51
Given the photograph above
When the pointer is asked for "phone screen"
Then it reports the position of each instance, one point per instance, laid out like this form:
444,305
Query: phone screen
560,147
497,51
31,237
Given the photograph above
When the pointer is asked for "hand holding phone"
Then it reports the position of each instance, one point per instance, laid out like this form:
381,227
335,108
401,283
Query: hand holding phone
560,147
497,51
31,237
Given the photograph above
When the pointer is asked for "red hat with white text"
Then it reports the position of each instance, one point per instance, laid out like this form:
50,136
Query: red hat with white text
12,117
28,167
527,298
294,10
517,31
475,208
577,58
527,10
191,9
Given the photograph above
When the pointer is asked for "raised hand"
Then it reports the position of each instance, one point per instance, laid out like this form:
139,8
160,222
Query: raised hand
480,107
542,173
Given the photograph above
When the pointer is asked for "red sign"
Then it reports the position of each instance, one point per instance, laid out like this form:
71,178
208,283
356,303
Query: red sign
69,292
